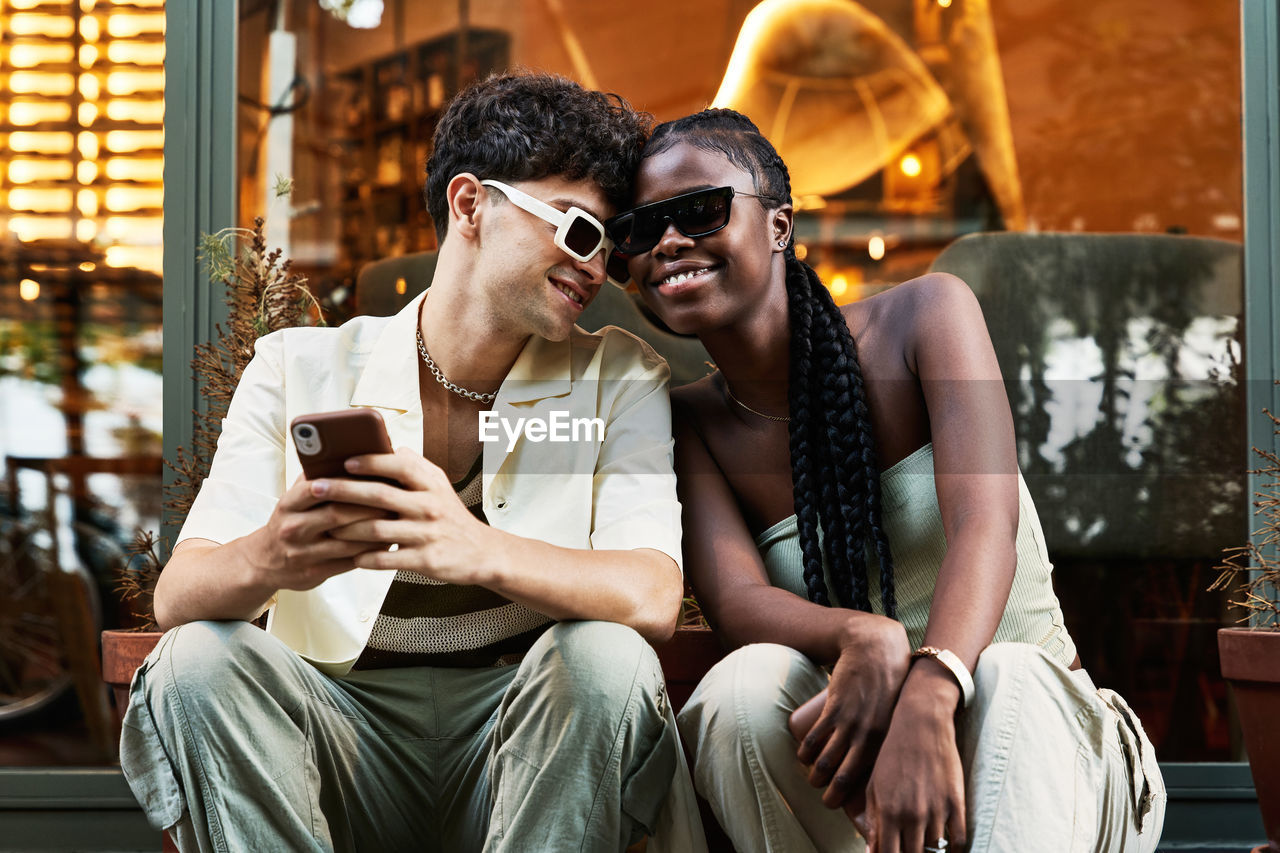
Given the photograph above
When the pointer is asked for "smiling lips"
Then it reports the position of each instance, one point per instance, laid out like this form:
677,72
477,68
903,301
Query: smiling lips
683,276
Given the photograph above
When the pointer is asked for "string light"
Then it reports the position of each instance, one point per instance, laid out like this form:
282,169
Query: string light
65,179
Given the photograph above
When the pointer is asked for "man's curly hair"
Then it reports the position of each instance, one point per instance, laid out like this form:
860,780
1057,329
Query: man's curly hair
521,126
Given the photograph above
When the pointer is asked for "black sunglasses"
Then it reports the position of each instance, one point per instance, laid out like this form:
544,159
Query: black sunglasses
694,214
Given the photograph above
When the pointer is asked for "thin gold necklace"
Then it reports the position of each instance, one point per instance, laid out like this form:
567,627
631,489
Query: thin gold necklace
725,383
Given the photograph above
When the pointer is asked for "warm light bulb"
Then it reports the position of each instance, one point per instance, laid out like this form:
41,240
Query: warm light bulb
136,52
86,171
128,26
875,247
802,251
135,169
401,287
88,266
86,230
29,289
839,285
90,88
131,82
34,112
45,26
87,203
43,142
26,171
87,114
88,55
910,165
124,141
46,83
40,200
89,28
944,3
35,55
87,144
145,112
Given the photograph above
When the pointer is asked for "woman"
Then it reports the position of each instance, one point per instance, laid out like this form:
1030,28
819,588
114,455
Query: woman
856,527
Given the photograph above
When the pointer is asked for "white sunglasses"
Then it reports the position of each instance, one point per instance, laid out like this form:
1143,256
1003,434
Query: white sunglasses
578,233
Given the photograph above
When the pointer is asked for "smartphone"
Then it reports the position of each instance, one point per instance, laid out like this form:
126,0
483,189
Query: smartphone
326,440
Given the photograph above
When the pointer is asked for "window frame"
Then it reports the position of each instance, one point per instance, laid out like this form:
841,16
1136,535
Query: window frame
1213,806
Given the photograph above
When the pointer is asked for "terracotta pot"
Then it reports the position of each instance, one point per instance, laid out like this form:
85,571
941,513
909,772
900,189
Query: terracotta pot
1251,662
122,652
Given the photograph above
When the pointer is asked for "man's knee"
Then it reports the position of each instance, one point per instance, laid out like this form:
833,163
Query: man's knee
598,661
209,659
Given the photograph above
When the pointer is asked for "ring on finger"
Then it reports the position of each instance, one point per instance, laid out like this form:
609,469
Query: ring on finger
939,846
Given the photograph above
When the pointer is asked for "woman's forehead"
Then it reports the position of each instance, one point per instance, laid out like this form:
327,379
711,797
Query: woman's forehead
685,167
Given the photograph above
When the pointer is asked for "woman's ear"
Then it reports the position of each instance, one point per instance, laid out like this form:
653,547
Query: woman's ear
782,219
463,195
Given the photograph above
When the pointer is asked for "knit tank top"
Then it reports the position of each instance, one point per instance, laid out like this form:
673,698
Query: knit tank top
913,524
426,622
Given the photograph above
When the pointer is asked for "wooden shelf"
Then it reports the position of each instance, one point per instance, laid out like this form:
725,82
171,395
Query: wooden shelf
389,109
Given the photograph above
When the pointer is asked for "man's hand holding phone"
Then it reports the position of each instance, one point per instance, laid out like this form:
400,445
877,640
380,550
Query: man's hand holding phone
435,534
360,498
295,549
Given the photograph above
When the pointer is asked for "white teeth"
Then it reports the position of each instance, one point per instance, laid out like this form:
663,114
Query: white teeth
683,276
572,294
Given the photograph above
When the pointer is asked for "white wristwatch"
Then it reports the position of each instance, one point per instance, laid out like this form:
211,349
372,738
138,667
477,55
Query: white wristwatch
951,661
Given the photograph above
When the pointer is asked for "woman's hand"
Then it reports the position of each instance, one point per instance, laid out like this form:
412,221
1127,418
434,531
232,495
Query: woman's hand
916,792
842,743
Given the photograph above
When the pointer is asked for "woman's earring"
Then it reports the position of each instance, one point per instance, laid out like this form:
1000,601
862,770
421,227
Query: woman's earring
782,244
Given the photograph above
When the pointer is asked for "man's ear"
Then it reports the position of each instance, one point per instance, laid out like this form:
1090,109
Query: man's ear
782,219
463,196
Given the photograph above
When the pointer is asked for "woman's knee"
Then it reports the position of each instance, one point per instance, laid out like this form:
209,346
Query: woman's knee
752,690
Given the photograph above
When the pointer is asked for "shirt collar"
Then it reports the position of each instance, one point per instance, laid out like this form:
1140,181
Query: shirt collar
389,378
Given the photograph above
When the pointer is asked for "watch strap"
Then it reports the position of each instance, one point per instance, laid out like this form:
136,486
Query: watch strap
951,661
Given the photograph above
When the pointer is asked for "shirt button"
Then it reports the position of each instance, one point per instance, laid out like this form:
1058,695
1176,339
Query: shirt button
364,615
500,502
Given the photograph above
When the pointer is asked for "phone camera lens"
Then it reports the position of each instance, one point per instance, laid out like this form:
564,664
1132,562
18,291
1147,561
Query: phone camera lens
305,432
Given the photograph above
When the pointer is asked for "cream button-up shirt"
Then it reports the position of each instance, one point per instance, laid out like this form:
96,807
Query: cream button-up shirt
614,492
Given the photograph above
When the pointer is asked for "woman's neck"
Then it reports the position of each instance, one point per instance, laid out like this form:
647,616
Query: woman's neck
754,352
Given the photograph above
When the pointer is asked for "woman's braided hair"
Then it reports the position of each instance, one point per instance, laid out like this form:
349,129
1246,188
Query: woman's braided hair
834,472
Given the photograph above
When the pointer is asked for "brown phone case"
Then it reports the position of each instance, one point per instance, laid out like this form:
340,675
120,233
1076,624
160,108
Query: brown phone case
326,440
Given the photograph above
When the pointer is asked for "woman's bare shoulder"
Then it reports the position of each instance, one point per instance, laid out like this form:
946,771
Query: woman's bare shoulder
919,304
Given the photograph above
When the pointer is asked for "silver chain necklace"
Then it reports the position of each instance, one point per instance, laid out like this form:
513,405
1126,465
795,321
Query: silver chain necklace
440,377
725,382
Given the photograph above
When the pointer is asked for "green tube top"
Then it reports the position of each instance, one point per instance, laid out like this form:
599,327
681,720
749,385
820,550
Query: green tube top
913,523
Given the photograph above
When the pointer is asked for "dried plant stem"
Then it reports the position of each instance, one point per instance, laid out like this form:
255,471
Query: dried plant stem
263,294
1253,571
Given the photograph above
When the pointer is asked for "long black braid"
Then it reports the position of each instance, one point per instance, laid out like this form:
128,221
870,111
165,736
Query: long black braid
834,473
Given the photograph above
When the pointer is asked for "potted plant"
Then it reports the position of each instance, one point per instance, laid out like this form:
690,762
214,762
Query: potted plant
1251,655
263,294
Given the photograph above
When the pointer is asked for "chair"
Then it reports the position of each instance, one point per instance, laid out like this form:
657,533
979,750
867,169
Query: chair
1121,355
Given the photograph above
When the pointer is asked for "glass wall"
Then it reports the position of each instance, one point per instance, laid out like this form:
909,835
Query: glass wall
1078,164
81,148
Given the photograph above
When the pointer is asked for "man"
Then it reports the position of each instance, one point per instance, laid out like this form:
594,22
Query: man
456,662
